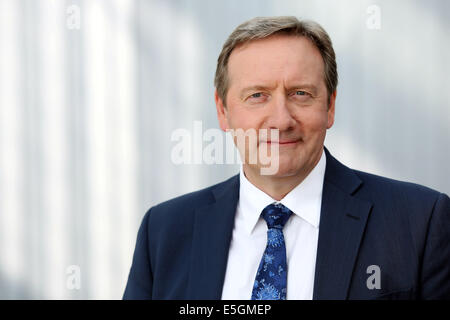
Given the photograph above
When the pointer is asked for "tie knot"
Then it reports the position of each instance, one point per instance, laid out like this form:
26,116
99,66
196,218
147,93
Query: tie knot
276,215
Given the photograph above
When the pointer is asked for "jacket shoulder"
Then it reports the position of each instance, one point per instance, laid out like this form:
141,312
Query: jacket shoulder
394,187
412,200
178,209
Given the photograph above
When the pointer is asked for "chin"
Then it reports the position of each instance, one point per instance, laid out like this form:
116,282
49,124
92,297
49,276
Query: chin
289,165
286,170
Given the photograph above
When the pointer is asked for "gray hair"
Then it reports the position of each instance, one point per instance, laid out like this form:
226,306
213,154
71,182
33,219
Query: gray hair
263,27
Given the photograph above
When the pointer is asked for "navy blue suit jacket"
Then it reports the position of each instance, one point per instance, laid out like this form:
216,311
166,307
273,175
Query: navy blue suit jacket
403,228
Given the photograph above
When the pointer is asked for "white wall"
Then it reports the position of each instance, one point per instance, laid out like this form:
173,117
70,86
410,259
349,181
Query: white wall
86,117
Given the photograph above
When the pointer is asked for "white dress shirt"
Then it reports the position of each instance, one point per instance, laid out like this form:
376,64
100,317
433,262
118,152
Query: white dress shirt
301,234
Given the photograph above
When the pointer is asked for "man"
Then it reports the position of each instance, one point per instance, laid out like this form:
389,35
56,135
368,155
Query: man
314,229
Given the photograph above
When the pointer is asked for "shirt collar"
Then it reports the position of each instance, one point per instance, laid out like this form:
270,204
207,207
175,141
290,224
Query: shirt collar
304,200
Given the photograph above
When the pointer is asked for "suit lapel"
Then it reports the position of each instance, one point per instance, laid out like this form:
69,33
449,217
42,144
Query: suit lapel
212,233
342,222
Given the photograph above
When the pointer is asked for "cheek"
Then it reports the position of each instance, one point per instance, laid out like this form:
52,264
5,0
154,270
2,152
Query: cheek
314,121
244,119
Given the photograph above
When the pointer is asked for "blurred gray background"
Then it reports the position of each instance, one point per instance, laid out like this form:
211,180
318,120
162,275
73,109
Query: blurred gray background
91,92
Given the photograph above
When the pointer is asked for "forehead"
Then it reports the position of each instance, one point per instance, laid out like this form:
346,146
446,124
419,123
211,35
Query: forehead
276,58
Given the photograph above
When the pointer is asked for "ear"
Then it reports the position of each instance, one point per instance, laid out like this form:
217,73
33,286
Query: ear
331,109
222,112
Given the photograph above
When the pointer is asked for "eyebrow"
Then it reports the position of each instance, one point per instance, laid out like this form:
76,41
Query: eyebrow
303,85
254,88
264,88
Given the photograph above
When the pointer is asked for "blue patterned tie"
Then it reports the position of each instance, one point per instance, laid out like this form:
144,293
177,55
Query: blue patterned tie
271,279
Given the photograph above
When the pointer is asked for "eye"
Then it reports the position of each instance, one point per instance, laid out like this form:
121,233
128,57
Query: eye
301,93
256,95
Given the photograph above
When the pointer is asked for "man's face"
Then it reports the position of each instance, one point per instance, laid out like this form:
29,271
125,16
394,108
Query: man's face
278,83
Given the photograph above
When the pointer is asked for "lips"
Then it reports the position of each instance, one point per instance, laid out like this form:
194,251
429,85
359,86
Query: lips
282,142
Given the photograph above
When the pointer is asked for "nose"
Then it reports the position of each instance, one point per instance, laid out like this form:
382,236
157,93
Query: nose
279,114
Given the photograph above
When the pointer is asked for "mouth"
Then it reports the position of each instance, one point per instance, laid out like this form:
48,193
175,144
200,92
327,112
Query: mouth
289,142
